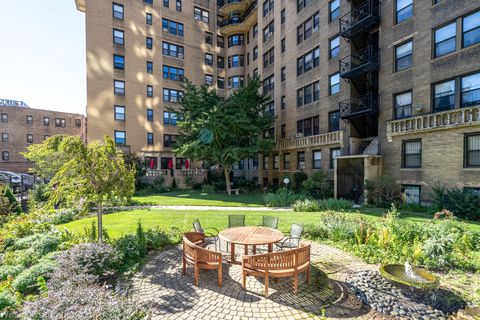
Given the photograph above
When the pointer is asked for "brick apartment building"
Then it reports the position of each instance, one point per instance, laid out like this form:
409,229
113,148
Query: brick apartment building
21,126
359,88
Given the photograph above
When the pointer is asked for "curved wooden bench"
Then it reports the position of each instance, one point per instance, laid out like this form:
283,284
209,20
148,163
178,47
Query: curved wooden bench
288,263
200,258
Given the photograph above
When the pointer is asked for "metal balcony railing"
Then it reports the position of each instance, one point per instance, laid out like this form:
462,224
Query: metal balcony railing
239,19
356,107
361,18
359,62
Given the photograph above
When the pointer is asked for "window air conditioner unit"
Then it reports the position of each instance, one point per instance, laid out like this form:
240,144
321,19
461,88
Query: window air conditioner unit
180,55
165,29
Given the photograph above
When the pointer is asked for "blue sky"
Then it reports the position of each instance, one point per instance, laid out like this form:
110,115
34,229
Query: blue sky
42,55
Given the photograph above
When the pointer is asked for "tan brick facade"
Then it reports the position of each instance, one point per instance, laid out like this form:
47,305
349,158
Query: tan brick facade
24,126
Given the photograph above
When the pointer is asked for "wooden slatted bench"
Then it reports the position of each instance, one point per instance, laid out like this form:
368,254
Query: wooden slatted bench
200,258
288,263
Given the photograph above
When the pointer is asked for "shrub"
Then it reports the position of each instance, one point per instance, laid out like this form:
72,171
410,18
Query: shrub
208,188
298,179
40,243
444,215
174,184
280,198
16,208
318,186
383,192
157,184
306,205
38,195
131,252
26,281
9,270
5,206
7,300
86,302
335,204
463,203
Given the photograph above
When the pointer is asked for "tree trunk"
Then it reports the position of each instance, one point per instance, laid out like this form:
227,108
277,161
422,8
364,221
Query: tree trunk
226,170
100,224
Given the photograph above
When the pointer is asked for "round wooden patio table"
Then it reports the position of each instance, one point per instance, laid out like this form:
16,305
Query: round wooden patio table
250,236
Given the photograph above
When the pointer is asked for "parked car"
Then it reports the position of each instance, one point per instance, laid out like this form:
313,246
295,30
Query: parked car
12,177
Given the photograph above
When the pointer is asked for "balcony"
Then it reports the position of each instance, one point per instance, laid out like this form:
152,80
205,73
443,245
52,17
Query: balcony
227,7
359,62
357,107
362,18
335,137
240,24
444,120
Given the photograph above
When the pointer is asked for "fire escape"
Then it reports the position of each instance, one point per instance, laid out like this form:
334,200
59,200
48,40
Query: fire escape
360,28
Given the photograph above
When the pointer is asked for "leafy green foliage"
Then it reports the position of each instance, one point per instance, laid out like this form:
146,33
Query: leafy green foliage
14,205
5,206
318,186
298,179
283,198
309,205
463,203
383,192
223,131
26,281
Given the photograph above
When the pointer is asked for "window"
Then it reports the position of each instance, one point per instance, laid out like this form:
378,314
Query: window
403,56
149,42
334,84
268,31
220,42
235,40
308,94
120,137
268,84
78,123
149,91
255,31
472,150
169,140
172,50
4,137
119,113
60,122
46,121
412,194
166,163
470,90
29,119
149,114
286,161
151,163
334,9
308,61
283,74
334,121
334,49
5,156
209,80
301,4
283,45
412,154
445,39
268,6
4,117
201,14
173,73
255,53
118,62
172,27
220,62
317,159
148,19
209,59
283,102
117,11
308,127
169,118
235,82
180,163
471,29
208,38
119,87
283,131
403,10
403,105
269,58
172,95
301,160
150,138
236,61
444,96
220,83
306,29
270,108
149,67
276,162
334,154
29,138
282,16
266,163
118,37
178,5
148,1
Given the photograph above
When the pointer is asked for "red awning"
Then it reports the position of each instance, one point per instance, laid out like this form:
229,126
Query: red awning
152,163
170,164
187,164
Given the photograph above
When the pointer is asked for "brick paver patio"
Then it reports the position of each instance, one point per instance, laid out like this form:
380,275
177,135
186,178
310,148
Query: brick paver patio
169,295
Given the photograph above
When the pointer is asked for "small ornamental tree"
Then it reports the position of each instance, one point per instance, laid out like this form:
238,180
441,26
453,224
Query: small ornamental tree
95,173
223,131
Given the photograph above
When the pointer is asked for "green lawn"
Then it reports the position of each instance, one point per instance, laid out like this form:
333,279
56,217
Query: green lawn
124,222
196,198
